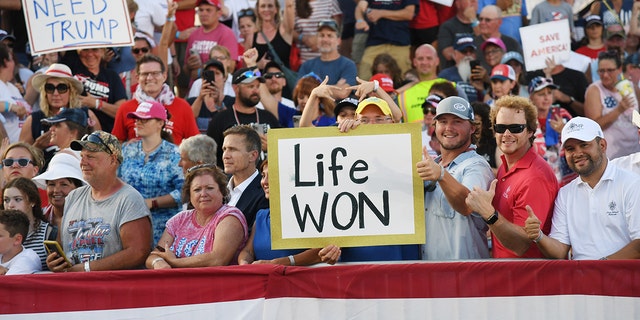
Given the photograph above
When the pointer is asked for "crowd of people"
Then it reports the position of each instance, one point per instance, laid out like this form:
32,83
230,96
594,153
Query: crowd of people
156,155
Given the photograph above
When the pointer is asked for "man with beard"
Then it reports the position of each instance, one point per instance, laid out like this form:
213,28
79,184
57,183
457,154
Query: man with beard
460,74
524,179
341,70
597,215
453,230
246,85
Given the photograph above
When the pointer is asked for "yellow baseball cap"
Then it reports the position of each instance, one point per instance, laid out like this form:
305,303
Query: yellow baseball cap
381,104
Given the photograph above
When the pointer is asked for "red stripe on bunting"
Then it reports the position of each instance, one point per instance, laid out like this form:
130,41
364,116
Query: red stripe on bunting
148,288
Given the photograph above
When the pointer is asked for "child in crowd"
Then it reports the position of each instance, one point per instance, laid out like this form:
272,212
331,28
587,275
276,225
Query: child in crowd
503,80
14,258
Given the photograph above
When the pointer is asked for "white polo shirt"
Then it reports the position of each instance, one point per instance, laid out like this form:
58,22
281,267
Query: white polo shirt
600,221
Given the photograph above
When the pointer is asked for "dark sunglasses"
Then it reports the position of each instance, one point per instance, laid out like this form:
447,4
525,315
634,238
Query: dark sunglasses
513,128
431,110
246,13
61,87
97,140
200,166
270,75
22,162
138,50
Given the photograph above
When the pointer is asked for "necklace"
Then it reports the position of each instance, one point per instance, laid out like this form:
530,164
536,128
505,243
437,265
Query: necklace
235,113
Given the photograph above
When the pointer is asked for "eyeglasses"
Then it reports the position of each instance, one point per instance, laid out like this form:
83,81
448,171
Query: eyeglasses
270,75
328,23
246,13
61,87
513,128
375,120
481,19
200,166
246,75
153,74
22,162
94,138
312,75
138,50
219,58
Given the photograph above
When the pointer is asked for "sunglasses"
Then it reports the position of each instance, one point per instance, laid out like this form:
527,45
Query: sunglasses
246,13
270,75
431,110
200,166
328,23
246,75
22,162
97,140
513,128
138,50
61,87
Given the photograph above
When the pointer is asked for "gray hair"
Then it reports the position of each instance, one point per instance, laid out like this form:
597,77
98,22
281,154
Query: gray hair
200,148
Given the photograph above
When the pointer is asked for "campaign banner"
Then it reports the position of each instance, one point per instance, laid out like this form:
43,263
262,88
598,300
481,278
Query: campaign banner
358,188
56,25
545,40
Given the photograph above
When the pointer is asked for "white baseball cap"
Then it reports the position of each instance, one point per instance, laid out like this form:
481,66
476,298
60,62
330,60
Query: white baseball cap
581,128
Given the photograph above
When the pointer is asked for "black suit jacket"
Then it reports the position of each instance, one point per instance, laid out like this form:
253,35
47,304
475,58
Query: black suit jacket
252,200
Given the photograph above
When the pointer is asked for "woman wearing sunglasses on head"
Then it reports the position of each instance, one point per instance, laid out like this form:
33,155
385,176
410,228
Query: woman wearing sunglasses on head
247,26
58,89
22,160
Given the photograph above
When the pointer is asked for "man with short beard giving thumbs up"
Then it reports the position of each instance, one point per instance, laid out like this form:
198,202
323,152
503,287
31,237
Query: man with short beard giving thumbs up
453,231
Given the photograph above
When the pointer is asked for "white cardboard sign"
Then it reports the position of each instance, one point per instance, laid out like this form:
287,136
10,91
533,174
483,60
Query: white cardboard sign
545,40
353,189
58,25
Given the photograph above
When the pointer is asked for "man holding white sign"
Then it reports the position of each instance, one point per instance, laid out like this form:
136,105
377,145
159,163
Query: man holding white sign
453,231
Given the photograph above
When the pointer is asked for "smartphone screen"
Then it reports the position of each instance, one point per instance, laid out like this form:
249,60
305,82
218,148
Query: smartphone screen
473,64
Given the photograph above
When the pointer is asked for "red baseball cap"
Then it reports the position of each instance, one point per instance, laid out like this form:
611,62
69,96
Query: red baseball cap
385,82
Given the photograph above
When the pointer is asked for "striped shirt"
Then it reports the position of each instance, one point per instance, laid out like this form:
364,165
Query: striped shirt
35,242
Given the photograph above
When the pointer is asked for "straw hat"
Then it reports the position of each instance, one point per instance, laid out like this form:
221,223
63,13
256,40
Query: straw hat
57,70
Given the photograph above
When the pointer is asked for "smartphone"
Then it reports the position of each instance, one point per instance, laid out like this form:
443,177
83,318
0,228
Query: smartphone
54,246
209,76
159,248
555,112
473,64
193,51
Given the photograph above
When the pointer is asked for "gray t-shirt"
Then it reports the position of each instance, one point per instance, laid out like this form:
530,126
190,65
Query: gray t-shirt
91,229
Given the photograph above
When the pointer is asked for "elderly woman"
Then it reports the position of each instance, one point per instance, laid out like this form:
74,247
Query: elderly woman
610,109
62,176
196,150
258,248
22,194
103,88
150,164
210,234
58,89
152,75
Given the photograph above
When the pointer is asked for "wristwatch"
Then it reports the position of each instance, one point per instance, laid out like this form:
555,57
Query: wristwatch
492,219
